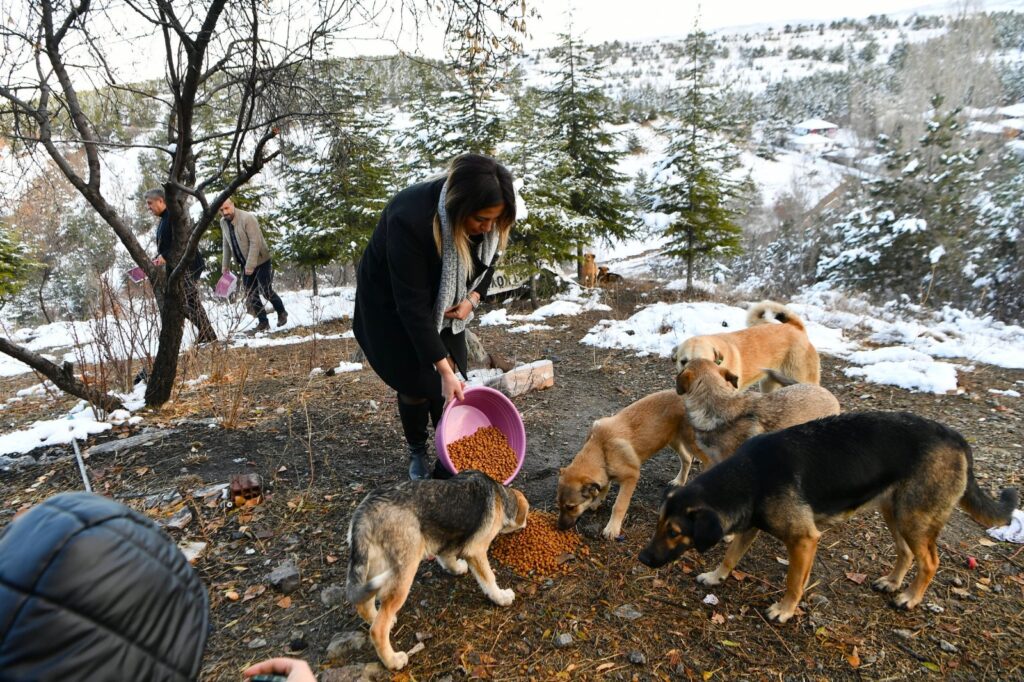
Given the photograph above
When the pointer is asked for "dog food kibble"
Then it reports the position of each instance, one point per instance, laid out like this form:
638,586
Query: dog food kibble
539,548
486,450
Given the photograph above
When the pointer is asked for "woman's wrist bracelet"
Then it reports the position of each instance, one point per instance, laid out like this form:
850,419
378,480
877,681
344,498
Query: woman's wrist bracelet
474,303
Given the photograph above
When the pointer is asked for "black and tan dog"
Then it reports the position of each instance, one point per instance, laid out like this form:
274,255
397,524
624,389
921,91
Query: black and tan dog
396,526
792,483
724,417
614,451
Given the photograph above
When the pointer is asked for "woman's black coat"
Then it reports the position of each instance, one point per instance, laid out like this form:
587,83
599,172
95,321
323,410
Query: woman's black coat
397,282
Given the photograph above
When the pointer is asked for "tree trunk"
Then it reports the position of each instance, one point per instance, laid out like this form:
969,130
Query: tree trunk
63,376
316,289
579,263
689,272
42,301
534,301
165,364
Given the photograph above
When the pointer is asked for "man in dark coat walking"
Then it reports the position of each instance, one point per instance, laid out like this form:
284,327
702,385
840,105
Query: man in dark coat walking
156,202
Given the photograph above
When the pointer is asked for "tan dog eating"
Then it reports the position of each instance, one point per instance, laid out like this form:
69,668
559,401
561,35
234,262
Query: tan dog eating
615,449
724,417
762,345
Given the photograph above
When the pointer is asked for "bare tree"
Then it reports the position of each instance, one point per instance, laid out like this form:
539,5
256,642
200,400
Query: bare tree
242,62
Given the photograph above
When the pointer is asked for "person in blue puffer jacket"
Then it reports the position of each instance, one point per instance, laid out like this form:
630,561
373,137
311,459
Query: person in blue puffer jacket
91,590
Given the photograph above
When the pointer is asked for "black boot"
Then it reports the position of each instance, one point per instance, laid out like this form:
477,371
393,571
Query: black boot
418,469
414,416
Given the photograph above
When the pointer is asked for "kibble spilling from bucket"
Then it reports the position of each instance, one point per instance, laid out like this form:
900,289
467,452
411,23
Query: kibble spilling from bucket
487,450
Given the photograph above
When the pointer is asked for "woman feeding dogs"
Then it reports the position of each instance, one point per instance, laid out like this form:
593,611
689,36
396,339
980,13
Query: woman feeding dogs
427,267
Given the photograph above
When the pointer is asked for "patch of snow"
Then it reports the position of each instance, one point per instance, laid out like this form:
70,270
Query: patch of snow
915,375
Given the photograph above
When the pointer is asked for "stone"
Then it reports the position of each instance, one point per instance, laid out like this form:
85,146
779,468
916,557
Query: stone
563,640
532,377
637,658
257,643
357,672
17,463
818,600
332,595
903,633
627,611
346,644
475,348
122,444
948,647
285,578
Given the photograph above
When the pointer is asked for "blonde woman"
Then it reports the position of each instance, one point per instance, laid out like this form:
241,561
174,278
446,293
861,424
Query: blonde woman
427,267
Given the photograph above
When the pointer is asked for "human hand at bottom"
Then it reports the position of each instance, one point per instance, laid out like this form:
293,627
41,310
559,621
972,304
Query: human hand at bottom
451,386
296,670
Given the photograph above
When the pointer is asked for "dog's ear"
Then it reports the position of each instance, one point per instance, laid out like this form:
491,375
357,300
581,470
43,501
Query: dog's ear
707,529
590,489
730,377
522,508
683,381
718,357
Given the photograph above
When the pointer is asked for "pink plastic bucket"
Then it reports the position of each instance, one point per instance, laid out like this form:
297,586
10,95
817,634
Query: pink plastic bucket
483,406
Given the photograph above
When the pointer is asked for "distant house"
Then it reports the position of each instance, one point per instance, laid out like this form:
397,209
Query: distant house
815,126
812,143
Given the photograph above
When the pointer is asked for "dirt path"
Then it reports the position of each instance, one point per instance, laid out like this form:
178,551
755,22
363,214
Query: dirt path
346,427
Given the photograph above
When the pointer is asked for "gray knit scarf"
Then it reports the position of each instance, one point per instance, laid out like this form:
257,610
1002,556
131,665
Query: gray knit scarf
453,271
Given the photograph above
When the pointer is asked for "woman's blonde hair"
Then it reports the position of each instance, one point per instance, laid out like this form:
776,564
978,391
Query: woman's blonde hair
476,182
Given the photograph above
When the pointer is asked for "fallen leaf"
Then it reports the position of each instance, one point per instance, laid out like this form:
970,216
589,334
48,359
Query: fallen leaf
784,562
707,674
232,595
331,558
674,658
729,642
853,659
253,591
934,667
985,542
284,602
740,576
605,666
858,578
717,618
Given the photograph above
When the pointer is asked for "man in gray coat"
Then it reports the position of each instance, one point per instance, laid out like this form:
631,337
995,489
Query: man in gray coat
243,241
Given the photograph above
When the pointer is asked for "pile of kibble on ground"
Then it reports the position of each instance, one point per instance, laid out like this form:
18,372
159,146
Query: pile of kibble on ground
486,450
540,548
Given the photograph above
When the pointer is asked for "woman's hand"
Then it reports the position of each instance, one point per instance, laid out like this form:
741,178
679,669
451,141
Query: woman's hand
296,670
460,311
451,387
159,261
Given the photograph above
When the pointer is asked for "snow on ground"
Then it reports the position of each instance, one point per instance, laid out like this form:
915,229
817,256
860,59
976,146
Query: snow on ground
76,341
78,424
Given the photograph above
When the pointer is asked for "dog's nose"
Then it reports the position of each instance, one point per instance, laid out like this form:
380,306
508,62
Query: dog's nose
566,523
646,559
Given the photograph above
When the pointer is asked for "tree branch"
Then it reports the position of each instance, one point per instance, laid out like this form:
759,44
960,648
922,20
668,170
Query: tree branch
62,376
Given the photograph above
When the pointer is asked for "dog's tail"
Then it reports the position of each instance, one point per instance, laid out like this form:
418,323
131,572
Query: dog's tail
779,377
756,315
357,588
982,508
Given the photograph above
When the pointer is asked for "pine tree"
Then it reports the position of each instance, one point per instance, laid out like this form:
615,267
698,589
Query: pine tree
15,265
696,184
549,233
581,111
336,195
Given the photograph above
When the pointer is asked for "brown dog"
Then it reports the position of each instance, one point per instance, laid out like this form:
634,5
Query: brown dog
589,270
614,451
723,417
605,276
747,352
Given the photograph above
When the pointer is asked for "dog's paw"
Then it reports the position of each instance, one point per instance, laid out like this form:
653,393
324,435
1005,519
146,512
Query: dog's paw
884,584
503,597
454,566
611,531
905,601
710,578
399,660
778,614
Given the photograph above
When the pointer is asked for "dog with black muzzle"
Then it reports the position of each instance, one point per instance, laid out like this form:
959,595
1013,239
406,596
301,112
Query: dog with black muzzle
795,482
396,526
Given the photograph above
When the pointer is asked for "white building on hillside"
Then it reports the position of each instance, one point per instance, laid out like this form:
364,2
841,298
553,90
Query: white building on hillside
815,126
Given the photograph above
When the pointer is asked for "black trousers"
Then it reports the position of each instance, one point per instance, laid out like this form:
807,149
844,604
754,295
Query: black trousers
194,310
261,281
